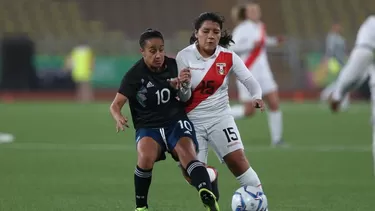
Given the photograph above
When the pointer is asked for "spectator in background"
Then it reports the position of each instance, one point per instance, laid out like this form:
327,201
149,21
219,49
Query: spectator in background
81,63
334,60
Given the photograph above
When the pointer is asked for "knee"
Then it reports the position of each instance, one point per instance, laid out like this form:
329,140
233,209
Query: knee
148,153
249,109
273,102
146,161
237,162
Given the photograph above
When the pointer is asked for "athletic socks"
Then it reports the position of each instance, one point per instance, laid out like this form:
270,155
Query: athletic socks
250,178
275,123
142,181
199,175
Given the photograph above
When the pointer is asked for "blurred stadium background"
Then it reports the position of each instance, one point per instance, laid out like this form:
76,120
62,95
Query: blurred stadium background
65,155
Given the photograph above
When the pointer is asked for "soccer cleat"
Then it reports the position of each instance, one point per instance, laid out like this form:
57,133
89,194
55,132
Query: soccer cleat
209,200
141,209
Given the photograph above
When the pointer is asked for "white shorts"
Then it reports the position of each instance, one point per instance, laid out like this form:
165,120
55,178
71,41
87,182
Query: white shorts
222,135
267,84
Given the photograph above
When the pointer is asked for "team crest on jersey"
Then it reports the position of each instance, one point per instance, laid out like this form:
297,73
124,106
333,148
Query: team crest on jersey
221,68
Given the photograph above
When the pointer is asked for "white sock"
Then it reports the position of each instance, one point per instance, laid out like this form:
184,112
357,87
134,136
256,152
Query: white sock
238,111
275,123
250,178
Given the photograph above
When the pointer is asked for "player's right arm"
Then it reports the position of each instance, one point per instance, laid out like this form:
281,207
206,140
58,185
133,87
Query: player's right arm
244,41
185,76
126,90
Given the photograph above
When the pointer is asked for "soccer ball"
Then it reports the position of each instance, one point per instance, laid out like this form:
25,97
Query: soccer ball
248,198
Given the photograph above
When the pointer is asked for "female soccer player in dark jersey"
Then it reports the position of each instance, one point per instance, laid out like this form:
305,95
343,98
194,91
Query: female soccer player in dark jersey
159,119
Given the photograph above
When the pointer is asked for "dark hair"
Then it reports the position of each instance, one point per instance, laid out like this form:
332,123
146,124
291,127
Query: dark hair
241,13
149,34
226,37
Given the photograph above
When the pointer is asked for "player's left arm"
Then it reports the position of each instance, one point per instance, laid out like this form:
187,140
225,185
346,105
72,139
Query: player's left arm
246,77
184,78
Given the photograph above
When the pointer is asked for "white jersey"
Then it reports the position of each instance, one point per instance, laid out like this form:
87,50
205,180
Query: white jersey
209,98
245,35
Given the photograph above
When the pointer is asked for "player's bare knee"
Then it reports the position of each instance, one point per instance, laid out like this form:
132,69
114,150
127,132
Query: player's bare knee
249,109
185,150
237,162
272,100
148,152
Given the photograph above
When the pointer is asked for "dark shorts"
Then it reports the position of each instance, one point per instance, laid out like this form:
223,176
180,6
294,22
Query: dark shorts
167,137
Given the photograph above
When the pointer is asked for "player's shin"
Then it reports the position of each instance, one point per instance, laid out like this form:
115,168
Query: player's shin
212,172
241,169
142,182
198,175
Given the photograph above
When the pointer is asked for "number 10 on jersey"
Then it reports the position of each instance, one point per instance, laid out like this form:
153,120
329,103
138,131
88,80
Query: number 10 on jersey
163,96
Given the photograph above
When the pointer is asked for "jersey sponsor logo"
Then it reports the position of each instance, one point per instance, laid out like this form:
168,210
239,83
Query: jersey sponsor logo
196,68
150,84
212,81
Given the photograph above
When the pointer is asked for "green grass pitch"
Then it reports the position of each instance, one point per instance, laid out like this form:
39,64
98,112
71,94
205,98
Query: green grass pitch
67,157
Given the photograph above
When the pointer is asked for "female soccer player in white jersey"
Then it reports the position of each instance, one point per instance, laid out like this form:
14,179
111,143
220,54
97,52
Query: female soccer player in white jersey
207,95
360,63
250,42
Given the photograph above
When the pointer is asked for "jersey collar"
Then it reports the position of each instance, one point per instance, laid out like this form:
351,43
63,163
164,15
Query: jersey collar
200,57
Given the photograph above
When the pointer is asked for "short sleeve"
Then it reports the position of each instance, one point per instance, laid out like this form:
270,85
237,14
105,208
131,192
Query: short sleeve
128,85
181,64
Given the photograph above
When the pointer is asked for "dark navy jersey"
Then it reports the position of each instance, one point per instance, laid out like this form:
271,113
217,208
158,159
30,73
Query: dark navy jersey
153,102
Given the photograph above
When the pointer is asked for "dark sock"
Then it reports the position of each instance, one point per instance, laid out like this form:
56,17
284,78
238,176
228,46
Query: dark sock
215,188
142,181
199,175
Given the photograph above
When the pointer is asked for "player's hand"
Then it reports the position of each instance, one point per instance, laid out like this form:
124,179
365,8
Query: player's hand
120,123
185,77
175,83
258,103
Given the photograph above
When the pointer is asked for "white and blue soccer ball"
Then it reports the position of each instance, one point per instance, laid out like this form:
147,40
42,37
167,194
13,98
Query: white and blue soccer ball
248,198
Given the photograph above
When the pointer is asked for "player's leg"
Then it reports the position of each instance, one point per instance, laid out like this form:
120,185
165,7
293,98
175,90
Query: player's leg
148,151
183,145
372,90
246,107
327,92
226,142
275,119
201,134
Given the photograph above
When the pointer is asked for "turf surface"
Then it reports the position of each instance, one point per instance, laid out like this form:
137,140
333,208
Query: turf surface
68,157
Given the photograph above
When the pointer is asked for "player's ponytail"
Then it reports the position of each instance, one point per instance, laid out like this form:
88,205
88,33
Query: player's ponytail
226,37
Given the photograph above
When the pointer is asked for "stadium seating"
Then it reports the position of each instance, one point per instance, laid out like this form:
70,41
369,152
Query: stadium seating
67,22
312,18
